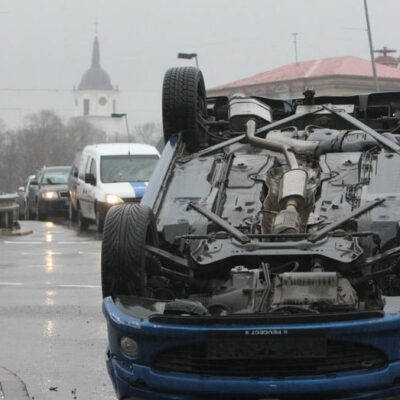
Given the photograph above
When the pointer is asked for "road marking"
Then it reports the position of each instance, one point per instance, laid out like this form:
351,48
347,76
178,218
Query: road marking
49,283
46,242
42,242
88,252
79,286
47,253
11,284
21,242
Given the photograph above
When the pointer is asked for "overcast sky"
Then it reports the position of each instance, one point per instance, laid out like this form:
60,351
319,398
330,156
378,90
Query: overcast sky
46,44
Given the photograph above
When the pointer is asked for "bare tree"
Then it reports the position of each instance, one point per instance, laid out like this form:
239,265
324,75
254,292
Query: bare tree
44,140
149,133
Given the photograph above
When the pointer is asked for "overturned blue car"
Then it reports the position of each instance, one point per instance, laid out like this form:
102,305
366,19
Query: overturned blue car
264,259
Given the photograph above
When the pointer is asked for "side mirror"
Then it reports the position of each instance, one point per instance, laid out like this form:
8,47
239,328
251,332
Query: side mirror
90,179
21,189
75,173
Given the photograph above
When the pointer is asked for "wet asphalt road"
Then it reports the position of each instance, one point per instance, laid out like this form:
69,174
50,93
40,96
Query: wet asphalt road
53,334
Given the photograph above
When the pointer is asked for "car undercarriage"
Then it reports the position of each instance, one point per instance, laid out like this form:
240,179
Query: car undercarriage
298,218
265,218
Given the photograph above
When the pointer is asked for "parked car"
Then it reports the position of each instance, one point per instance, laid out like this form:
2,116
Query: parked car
262,264
110,174
22,198
48,193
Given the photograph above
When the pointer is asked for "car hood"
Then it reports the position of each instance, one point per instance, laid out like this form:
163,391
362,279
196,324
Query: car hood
55,188
125,189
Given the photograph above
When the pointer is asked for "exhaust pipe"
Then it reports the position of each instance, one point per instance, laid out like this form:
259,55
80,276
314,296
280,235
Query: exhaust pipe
293,186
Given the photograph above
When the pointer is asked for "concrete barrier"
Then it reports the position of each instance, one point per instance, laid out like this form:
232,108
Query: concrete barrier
8,211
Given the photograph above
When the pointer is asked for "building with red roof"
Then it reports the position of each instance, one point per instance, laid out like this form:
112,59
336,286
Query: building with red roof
329,76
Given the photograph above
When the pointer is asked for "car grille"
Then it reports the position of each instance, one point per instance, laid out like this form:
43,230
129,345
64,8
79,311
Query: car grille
341,357
131,200
64,194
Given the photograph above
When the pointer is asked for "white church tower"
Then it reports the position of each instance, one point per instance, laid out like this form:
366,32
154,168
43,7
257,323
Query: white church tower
95,99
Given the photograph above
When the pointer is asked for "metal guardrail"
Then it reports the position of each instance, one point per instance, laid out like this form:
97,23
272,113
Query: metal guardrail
8,211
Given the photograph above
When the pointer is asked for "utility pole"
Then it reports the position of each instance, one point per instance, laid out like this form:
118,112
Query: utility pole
371,47
295,46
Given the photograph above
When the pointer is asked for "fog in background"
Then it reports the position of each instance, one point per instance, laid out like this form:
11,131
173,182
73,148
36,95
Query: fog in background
46,45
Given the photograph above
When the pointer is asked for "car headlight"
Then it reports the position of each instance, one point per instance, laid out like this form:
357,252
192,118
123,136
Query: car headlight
129,346
50,195
113,199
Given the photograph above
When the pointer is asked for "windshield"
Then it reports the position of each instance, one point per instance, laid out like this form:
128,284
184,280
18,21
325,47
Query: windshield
56,176
129,168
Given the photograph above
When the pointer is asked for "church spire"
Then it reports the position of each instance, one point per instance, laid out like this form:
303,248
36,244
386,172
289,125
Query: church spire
95,78
96,53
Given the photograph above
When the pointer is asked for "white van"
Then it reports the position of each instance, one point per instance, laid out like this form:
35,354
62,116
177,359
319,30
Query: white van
109,174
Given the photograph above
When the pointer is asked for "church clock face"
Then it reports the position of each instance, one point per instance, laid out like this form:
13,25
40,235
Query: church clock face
102,101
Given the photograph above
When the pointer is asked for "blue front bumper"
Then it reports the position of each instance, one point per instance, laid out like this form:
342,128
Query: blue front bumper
134,378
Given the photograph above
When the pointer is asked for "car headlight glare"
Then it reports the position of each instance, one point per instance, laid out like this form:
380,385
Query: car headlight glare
129,346
113,199
50,195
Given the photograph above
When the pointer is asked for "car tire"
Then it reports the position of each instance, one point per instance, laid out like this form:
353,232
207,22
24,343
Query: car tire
184,105
127,229
40,216
26,212
72,213
31,214
83,223
99,222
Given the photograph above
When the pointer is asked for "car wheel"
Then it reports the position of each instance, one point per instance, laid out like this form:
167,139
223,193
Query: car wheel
26,212
127,229
83,223
31,213
99,222
72,214
21,212
40,215
184,105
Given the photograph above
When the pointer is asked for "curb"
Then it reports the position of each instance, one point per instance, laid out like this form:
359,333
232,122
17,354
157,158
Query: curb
11,387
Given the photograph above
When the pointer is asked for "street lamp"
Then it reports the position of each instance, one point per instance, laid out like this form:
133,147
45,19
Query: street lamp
123,115
189,56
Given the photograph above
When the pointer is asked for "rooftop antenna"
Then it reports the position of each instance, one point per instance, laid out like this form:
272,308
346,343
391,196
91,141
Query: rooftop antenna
385,51
371,48
96,25
295,46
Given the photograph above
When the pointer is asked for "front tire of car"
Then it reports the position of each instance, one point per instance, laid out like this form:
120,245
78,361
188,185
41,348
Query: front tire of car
83,223
99,222
184,106
72,214
31,213
26,212
128,229
40,215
